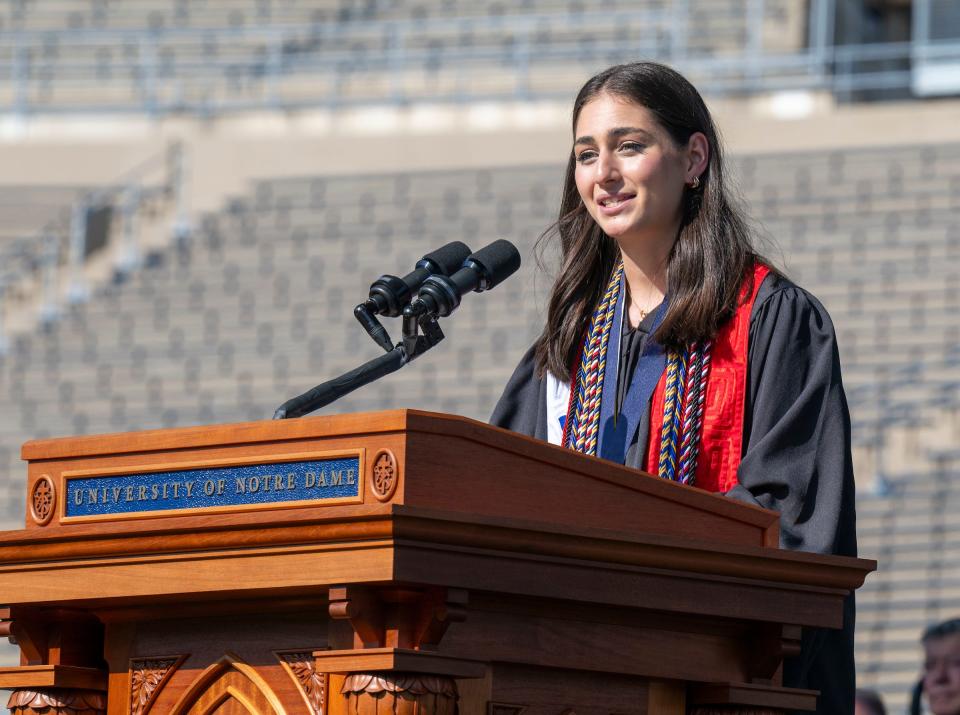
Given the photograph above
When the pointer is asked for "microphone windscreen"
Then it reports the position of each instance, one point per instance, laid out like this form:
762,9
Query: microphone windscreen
449,258
499,261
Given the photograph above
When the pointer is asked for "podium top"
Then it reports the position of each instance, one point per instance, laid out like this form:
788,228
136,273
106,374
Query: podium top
387,496
322,463
159,440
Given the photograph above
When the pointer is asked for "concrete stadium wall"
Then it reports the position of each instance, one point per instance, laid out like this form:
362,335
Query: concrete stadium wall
226,154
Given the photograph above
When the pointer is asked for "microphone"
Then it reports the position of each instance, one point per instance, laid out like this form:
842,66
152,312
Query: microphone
487,268
389,294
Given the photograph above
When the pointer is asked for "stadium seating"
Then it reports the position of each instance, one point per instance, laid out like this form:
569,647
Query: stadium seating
258,307
166,56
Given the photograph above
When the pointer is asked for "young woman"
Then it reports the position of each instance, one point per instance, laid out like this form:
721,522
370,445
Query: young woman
671,346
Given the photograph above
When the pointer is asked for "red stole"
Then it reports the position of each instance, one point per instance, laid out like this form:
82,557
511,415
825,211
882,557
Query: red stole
721,444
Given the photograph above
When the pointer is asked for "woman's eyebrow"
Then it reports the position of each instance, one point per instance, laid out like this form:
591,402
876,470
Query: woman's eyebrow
622,131
614,134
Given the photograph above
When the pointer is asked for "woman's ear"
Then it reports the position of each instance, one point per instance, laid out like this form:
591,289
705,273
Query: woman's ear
698,155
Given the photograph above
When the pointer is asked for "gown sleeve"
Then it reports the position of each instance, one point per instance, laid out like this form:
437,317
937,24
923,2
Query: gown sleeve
522,406
796,457
797,461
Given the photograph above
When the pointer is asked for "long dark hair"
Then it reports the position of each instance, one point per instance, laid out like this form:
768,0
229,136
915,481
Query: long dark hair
710,259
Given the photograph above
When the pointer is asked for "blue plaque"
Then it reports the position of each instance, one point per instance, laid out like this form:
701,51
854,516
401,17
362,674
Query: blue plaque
233,486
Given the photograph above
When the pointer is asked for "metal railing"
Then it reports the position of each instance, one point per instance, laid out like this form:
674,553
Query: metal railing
212,70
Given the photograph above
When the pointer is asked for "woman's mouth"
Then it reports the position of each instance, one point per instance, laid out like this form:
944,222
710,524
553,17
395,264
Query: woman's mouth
610,205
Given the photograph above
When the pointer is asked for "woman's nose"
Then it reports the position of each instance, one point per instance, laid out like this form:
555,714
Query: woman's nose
607,168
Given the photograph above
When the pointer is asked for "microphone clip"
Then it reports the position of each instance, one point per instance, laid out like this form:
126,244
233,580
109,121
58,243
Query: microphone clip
415,319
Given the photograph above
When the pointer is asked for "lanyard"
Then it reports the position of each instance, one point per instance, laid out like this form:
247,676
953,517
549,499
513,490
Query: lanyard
617,431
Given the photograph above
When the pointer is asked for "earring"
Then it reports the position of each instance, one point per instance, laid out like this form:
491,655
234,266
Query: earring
695,184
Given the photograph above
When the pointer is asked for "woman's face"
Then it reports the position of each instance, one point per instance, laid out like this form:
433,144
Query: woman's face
630,174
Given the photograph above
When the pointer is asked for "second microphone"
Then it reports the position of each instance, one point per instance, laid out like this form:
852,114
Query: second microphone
440,295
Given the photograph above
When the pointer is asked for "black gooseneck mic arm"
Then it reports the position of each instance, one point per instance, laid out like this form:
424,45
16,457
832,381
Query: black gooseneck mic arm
323,394
334,389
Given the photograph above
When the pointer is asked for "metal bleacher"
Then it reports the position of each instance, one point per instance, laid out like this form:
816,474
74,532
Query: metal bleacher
167,56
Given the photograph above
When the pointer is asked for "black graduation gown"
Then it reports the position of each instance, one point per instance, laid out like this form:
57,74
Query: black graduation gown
796,455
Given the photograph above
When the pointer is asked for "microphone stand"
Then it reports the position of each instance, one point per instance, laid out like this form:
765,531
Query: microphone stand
412,346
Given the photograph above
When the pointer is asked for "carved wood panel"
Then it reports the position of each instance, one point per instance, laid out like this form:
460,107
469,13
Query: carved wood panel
229,687
313,685
147,678
232,693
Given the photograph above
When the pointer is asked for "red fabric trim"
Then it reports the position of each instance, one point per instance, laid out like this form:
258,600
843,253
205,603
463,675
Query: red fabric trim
722,439
573,392
656,425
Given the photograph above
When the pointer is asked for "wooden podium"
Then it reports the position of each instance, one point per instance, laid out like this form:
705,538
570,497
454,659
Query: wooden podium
396,562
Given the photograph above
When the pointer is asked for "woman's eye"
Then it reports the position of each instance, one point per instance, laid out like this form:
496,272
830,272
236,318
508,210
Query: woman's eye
585,156
631,147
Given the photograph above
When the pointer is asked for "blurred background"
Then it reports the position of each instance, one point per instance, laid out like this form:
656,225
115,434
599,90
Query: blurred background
194,194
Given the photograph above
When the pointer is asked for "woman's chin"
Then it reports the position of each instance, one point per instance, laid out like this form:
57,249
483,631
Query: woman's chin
625,235
619,230
633,236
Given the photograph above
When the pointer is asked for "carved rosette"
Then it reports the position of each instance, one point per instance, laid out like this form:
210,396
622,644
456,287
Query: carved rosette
50,701
400,693
43,500
385,476
146,677
313,684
